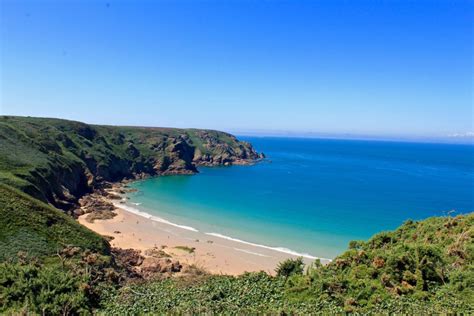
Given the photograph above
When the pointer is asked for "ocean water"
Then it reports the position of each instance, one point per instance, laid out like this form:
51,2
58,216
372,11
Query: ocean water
313,196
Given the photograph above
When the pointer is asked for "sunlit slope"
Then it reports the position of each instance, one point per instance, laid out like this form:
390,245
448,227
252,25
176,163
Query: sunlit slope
34,228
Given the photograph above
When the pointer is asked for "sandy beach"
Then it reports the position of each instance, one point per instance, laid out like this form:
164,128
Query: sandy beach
214,254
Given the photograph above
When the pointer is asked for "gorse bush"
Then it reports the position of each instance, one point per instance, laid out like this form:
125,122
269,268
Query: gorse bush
43,289
290,267
249,293
417,261
72,282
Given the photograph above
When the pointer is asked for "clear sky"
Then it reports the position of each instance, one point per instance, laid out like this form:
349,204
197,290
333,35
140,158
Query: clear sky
372,67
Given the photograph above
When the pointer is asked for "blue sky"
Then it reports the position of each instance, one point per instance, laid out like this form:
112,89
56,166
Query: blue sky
357,67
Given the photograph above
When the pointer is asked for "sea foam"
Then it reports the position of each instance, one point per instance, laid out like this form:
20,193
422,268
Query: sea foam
153,218
279,249
164,221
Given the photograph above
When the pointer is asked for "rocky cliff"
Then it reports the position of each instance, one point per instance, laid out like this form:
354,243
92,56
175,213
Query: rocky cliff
58,161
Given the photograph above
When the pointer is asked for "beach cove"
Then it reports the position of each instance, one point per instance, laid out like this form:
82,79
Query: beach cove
132,229
309,199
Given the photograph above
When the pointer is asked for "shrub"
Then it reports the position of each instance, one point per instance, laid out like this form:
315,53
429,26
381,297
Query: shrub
290,267
43,290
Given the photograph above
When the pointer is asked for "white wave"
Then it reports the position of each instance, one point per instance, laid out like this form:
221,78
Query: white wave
164,221
136,203
251,252
279,249
153,218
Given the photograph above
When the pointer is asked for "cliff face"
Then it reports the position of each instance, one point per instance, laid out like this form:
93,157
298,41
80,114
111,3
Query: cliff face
58,161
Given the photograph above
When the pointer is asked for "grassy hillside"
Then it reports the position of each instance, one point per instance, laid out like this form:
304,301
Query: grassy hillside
57,161
35,277
37,229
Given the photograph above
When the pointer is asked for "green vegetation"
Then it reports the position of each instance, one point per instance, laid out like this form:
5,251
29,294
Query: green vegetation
248,293
37,229
185,248
290,267
34,289
58,161
49,264
72,282
422,267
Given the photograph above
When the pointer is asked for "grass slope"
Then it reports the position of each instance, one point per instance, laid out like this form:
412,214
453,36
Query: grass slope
37,229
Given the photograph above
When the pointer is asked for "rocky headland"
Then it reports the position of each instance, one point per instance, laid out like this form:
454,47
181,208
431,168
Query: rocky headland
61,161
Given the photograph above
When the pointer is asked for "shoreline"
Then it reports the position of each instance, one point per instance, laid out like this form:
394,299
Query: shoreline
215,253
155,218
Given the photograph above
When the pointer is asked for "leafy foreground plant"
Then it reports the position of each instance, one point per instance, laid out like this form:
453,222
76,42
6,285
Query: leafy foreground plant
68,284
290,267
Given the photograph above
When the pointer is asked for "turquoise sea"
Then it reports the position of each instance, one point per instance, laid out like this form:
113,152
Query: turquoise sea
313,196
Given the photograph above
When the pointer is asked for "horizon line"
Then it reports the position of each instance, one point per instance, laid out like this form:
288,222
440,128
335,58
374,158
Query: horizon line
456,138
467,138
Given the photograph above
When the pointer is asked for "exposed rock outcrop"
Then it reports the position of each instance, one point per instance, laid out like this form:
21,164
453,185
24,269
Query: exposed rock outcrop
151,266
145,267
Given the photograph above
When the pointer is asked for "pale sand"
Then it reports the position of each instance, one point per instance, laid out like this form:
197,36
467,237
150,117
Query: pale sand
216,255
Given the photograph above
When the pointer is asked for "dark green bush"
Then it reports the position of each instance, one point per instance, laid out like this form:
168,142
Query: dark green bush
44,289
290,267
